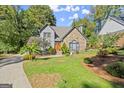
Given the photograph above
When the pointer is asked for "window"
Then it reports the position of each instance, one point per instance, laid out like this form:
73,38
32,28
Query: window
74,46
47,35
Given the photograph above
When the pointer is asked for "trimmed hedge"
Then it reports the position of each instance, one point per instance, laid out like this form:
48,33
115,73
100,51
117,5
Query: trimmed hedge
88,61
116,69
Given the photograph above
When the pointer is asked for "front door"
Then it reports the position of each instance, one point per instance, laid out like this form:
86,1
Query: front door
57,46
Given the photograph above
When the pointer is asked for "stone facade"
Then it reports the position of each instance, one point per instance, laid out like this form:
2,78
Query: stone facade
75,35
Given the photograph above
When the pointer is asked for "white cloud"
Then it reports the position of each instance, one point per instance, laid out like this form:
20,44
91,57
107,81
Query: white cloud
72,8
68,8
56,8
85,11
75,16
62,19
75,8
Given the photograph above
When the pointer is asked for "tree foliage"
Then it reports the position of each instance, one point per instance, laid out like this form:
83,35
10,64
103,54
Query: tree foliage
17,25
97,17
103,42
102,12
109,40
87,26
40,15
93,41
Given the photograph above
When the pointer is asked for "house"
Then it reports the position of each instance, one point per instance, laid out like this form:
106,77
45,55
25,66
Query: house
71,36
114,25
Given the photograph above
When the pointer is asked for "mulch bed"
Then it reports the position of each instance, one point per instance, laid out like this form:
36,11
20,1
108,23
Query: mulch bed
99,64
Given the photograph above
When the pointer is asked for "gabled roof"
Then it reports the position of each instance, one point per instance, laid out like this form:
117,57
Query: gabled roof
77,28
118,20
61,32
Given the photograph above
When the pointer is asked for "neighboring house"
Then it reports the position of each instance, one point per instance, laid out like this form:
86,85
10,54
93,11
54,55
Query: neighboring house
114,25
72,37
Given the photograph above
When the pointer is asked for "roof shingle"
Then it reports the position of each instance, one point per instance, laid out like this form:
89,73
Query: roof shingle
61,31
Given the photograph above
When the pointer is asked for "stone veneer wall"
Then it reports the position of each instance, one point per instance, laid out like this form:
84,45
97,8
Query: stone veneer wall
75,35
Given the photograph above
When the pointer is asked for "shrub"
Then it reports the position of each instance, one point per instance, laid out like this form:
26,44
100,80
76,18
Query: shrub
30,49
109,40
102,52
28,57
116,69
93,41
88,61
65,49
51,50
120,52
67,54
112,50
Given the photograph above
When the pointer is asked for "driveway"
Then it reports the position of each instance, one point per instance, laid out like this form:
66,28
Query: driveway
11,72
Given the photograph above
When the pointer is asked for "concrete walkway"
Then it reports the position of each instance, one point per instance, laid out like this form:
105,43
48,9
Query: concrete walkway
11,72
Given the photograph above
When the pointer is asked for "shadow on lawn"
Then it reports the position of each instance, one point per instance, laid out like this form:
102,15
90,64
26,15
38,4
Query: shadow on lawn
11,60
38,59
113,85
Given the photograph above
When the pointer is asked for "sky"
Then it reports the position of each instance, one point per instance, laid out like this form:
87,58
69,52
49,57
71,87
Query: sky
65,14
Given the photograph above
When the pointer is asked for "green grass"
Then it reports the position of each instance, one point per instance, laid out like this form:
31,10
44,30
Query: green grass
73,74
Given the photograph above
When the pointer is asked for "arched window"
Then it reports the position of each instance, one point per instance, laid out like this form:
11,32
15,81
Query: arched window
74,46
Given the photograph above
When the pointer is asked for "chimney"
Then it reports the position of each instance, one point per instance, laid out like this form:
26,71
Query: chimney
81,28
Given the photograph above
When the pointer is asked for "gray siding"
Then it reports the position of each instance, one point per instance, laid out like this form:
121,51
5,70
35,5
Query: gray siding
111,26
52,40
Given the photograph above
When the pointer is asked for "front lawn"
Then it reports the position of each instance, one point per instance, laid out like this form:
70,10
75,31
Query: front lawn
64,72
